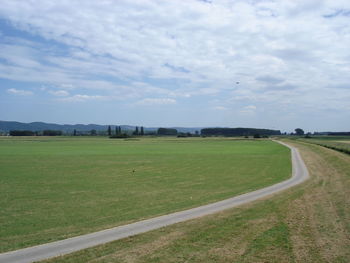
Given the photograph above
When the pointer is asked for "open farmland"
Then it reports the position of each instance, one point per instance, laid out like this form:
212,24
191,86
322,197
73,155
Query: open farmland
307,223
54,188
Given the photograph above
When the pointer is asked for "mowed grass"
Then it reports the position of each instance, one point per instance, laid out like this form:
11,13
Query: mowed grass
307,223
55,188
340,143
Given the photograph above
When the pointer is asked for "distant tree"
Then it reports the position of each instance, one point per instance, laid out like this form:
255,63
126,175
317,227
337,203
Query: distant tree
52,133
299,131
120,130
166,131
109,131
256,136
237,132
196,133
142,131
21,133
75,132
136,132
151,133
116,130
93,132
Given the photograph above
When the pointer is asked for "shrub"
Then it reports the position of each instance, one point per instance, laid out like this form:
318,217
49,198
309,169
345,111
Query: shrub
22,133
120,136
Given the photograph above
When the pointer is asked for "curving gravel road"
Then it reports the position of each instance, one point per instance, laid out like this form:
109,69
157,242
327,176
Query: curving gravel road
70,245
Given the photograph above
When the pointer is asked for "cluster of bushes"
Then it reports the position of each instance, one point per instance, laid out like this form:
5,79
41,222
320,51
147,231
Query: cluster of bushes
120,136
22,133
36,133
187,134
257,136
167,132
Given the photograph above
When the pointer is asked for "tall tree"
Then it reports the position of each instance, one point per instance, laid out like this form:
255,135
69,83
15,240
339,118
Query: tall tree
142,131
136,132
120,130
109,131
75,132
116,130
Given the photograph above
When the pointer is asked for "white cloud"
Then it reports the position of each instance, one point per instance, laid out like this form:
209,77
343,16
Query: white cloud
66,86
220,108
59,93
216,41
156,101
82,98
20,92
248,109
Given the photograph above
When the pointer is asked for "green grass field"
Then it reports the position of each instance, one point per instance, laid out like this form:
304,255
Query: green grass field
307,223
54,188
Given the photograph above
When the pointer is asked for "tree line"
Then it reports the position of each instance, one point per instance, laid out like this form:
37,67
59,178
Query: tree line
119,132
140,131
36,133
238,132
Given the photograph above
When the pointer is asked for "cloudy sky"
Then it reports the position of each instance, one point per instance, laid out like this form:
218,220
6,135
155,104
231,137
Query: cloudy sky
278,64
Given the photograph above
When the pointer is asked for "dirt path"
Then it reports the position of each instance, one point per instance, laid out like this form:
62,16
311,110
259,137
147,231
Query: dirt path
70,245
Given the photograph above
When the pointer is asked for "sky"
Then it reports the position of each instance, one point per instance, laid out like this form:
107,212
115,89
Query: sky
252,63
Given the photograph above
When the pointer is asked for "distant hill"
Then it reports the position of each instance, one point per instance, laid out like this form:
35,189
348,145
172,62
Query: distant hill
40,126
6,126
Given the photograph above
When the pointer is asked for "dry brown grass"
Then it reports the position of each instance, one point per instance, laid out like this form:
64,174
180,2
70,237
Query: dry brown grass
318,231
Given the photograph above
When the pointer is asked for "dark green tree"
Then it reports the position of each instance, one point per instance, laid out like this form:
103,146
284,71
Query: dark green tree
109,131
120,130
136,132
75,132
142,131
299,131
238,132
21,133
52,133
166,131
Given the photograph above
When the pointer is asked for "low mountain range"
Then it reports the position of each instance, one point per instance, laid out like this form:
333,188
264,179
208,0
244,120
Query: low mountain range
6,126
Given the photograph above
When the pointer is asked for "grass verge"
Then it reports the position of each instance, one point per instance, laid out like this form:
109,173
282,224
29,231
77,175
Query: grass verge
333,143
